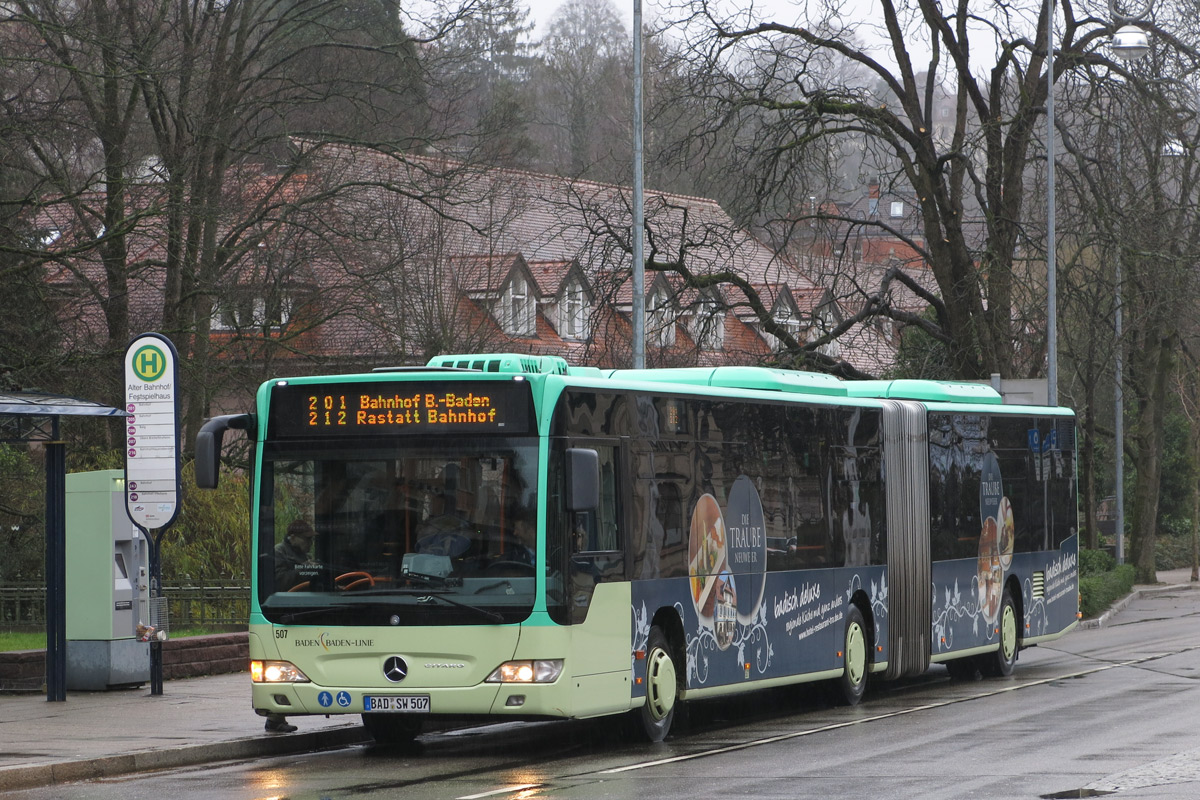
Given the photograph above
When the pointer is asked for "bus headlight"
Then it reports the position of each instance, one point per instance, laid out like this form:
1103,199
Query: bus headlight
542,671
276,672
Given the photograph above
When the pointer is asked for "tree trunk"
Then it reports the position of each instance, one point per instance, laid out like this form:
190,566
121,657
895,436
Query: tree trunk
1088,466
1195,436
1148,460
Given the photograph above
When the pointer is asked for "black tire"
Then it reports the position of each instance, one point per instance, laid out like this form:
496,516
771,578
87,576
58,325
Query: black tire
662,687
856,663
1001,663
392,729
963,669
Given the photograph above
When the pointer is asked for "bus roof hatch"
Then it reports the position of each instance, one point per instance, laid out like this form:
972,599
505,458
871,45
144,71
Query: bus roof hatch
513,363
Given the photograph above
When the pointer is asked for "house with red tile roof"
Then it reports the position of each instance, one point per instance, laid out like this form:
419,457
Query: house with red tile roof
370,259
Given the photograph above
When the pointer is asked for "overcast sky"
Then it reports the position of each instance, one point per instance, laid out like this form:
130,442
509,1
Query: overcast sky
540,12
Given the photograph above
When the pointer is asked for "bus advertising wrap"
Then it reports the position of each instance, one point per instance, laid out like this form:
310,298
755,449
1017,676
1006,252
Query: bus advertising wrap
745,623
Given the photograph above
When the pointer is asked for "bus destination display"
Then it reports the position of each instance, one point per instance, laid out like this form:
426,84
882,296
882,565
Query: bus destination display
370,408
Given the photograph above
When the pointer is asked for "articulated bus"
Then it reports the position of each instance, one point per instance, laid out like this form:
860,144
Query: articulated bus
510,537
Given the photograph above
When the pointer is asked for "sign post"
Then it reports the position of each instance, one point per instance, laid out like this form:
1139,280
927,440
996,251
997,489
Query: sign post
152,461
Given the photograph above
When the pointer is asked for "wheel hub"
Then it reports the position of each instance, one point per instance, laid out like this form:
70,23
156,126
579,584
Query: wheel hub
1008,633
856,654
660,684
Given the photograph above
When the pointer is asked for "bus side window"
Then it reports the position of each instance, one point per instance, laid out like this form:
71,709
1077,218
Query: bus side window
596,547
598,530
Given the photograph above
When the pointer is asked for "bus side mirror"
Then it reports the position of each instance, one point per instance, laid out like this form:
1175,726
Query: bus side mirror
208,446
583,479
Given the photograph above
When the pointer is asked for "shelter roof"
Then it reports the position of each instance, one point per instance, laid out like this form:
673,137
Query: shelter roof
40,404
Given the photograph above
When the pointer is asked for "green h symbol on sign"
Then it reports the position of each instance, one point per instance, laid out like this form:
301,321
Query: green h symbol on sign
149,363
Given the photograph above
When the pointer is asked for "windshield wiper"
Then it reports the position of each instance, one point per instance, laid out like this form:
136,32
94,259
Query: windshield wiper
312,612
420,594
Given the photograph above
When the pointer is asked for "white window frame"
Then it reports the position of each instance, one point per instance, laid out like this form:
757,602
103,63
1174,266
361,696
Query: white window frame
833,348
573,311
784,317
662,327
518,305
709,325
248,313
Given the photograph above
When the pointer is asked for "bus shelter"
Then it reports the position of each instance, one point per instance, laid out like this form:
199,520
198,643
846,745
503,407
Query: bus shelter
35,417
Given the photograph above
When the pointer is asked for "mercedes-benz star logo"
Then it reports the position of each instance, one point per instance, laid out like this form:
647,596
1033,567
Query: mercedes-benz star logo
394,669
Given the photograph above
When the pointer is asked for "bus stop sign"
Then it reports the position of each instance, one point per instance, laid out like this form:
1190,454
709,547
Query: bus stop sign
151,432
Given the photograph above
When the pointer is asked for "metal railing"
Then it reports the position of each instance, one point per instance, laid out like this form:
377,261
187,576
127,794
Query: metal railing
195,603
23,605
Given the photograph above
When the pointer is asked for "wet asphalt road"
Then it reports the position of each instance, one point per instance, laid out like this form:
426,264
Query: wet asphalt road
1112,712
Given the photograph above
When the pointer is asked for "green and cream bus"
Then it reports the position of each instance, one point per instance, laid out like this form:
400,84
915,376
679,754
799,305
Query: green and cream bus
510,537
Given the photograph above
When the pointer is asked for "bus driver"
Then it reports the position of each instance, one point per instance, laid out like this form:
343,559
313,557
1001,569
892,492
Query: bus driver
292,554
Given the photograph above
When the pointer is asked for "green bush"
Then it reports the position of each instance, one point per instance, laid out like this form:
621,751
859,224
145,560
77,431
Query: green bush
211,536
1095,562
1174,527
1098,592
1173,552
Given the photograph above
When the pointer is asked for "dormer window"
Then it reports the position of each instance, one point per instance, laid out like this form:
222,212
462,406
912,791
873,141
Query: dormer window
518,308
832,348
787,319
708,326
247,312
661,325
573,311
897,208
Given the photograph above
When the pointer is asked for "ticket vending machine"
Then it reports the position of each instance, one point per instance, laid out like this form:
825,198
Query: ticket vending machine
107,585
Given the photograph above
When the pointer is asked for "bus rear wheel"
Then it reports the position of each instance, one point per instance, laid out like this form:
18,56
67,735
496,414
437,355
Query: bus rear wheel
662,687
392,729
853,683
1001,663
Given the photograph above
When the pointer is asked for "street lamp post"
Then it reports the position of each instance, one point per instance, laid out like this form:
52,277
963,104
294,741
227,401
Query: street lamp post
639,275
1051,269
1130,43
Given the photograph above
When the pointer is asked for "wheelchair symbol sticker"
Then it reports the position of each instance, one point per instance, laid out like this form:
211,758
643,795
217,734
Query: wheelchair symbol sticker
325,699
343,699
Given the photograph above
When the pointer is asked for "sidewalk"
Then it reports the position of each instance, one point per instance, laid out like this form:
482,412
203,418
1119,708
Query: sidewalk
198,721
1168,580
194,721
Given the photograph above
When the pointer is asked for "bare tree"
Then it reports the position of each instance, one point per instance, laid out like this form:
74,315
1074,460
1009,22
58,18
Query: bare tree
1138,199
481,93
585,86
171,147
971,165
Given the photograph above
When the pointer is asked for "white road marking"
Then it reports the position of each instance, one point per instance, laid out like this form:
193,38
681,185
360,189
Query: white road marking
835,726
504,790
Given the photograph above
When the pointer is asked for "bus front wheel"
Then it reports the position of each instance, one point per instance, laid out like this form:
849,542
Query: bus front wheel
392,729
662,688
1001,663
853,683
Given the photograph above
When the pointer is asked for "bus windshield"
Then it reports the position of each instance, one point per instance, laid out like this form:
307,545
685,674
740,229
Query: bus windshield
398,531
